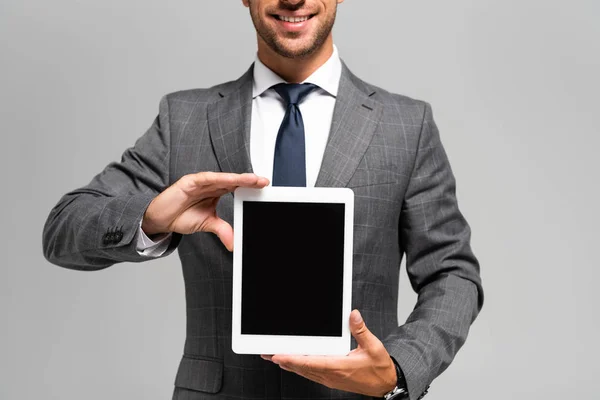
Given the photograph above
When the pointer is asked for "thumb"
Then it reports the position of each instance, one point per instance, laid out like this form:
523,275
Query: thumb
222,229
359,330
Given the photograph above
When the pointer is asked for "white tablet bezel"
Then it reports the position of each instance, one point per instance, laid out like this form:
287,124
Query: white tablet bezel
286,344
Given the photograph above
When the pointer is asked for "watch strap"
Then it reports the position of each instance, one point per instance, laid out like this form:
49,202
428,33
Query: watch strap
400,391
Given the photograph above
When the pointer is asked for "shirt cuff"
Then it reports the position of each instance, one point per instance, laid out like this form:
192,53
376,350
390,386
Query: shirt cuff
149,248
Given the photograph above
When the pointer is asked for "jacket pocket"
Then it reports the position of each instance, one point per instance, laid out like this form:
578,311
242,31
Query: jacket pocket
374,177
200,374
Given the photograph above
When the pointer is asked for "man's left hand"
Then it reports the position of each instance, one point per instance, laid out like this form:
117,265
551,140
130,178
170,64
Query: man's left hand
367,370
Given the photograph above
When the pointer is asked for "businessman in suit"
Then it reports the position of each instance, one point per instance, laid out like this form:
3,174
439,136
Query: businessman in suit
297,117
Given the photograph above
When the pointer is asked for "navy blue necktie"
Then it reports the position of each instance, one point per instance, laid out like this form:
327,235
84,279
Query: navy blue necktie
289,164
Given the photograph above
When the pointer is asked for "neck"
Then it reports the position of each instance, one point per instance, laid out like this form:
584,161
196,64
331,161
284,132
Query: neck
294,70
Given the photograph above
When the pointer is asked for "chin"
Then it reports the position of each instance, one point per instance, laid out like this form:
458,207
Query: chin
295,50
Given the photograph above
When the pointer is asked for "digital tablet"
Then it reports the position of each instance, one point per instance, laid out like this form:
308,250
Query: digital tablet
292,270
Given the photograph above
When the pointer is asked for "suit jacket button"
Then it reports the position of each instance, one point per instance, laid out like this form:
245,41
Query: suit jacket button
107,238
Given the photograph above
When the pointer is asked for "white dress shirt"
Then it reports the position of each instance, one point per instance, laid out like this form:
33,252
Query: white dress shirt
268,110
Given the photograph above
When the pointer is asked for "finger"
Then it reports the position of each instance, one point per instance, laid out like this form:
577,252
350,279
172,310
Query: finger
205,184
252,180
308,375
359,330
221,228
310,363
266,357
214,192
295,365
230,180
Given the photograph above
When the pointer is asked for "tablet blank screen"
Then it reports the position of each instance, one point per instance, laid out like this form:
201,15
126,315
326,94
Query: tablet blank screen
292,268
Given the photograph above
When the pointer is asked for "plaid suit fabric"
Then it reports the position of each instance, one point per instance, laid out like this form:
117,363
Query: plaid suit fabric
384,146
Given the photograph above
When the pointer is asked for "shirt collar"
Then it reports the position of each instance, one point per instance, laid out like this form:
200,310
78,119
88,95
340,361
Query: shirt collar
327,77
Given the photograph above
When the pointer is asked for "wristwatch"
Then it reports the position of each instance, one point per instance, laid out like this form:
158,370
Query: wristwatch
400,392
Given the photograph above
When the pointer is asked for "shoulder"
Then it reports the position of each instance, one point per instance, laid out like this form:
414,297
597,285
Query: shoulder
399,103
196,96
391,102
203,96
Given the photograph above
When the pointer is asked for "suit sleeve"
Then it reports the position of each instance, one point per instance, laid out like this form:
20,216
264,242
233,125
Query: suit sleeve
440,264
96,226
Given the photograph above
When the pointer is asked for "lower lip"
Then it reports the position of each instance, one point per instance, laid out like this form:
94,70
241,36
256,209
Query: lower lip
293,26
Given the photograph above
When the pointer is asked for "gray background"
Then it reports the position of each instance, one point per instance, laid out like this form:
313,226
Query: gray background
513,85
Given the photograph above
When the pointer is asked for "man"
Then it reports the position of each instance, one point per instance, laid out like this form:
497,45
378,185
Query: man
172,190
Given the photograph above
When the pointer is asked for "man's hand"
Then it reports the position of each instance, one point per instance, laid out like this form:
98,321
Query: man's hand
189,205
367,370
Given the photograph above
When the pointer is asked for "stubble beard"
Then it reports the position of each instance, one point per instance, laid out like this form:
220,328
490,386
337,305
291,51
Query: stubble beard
279,46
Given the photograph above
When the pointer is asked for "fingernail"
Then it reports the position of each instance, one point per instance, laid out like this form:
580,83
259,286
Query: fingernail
356,317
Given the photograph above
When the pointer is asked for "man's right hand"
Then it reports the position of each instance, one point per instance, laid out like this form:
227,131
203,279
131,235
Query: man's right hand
189,205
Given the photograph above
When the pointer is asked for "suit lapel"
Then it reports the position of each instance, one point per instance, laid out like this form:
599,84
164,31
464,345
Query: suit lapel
354,121
229,121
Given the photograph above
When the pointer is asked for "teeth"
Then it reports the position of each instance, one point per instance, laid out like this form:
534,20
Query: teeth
292,19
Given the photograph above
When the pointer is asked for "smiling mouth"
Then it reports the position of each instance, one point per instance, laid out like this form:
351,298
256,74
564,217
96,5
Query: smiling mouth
293,19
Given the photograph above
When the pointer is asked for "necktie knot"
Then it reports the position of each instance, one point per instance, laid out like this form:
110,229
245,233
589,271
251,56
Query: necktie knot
294,93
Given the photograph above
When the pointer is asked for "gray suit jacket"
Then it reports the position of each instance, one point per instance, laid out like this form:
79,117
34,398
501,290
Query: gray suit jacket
383,146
